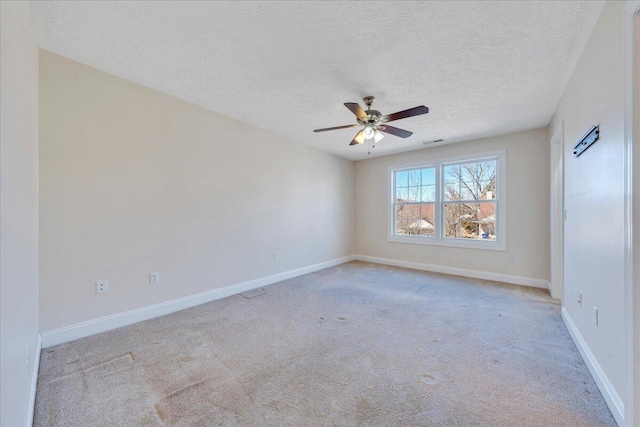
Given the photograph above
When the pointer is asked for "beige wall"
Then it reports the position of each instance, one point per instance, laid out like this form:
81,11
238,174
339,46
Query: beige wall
594,197
527,207
18,210
133,181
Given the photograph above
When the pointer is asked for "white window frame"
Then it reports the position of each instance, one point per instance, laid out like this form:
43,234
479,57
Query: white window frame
438,238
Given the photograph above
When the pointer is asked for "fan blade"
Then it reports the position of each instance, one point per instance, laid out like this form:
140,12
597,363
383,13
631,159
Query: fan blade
337,127
358,139
395,131
356,109
415,111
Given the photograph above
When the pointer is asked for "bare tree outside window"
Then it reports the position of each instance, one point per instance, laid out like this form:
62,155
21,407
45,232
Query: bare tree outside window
415,202
469,200
450,203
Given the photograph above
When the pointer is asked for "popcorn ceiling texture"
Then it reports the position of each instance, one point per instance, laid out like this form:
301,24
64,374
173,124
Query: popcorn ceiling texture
483,68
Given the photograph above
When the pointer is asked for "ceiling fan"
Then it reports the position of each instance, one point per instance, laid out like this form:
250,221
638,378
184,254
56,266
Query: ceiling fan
374,123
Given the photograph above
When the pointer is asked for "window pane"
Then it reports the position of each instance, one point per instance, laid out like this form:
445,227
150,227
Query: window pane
451,220
402,179
487,220
414,178
469,191
469,221
452,174
402,194
428,193
413,227
488,190
414,194
401,211
429,176
401,227
426,227
427,212
453,183
486,170
452,191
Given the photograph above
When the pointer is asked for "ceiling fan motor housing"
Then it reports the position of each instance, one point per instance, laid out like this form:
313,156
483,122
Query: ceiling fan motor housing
372,118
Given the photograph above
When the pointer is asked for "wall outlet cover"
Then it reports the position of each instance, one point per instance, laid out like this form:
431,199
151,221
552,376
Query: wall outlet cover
580,298
102,286
154,278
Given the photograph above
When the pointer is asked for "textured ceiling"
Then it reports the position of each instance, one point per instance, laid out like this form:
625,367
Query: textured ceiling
483,68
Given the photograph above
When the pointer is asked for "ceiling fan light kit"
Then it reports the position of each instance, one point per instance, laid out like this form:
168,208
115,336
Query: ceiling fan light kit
377,137
368,132
374,122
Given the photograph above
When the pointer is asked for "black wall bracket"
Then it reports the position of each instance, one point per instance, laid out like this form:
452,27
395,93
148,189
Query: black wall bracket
587,141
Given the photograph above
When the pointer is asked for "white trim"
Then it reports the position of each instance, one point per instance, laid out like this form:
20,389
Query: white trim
633,6
34,383
438,239
102,324
476,274
557,213
616,406
455,243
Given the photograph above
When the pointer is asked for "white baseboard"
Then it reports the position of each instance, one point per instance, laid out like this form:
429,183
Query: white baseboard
102,324
34,382
476,274
615,404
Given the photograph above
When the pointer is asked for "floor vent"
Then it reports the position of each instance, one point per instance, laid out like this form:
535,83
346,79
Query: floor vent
253,293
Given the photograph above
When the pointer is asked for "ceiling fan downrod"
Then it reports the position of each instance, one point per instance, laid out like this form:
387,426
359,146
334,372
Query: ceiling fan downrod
368,101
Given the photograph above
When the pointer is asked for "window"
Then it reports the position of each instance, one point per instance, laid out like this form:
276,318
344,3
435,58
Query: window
415,202
453,202
469,200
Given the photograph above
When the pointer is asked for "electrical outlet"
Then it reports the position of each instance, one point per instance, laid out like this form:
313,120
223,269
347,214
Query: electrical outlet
101,286
596,315
275,256
154,278
512,257
380,244
580,299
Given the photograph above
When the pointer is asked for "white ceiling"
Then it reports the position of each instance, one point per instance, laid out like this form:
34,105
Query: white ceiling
483,68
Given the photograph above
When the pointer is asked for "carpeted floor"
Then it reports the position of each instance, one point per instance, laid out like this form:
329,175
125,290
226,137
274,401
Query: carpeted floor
354,345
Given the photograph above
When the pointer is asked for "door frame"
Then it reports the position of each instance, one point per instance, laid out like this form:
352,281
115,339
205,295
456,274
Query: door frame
556,287
632,308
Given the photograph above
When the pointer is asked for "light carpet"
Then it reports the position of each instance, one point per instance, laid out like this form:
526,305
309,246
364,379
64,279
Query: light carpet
354,345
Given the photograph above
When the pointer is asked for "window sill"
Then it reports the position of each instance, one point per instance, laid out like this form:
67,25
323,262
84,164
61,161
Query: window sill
455,243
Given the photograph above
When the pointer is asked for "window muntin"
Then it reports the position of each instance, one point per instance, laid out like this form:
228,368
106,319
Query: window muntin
414,202
454,202
470,192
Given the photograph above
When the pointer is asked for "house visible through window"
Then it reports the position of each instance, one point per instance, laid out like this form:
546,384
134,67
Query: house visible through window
453,202
415,202
469,200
